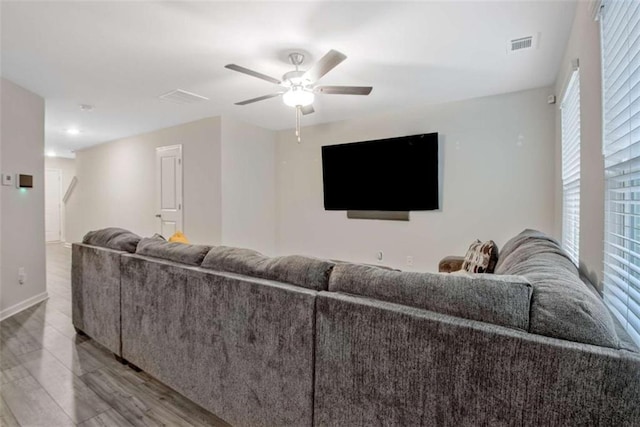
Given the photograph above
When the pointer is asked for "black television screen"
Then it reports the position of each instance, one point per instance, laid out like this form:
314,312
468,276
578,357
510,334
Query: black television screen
395,174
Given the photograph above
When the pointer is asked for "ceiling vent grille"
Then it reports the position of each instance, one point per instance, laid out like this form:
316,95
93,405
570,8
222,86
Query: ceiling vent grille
180,96
520,44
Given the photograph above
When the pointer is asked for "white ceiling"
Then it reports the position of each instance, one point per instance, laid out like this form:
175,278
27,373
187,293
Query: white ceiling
120,56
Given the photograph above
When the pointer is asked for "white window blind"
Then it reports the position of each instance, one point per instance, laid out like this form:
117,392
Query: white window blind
621,85
570,114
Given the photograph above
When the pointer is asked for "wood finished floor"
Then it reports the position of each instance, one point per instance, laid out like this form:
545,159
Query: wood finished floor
49,376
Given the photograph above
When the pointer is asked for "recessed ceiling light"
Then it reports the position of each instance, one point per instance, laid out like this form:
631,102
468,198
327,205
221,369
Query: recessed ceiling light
51,153
73,131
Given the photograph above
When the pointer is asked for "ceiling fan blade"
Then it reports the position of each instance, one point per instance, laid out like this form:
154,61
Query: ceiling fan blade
307,110
344,90
324,65
260,98
240,69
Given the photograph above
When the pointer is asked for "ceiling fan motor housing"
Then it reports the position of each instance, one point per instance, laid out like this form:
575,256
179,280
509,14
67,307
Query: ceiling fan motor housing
296,58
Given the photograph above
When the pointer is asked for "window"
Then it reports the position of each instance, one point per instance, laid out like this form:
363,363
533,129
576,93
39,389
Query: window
570,114
621,94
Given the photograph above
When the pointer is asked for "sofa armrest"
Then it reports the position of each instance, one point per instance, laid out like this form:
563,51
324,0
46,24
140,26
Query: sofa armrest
450,264
95,293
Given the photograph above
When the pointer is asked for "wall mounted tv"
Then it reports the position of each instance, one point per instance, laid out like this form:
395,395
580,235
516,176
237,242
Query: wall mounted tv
395,174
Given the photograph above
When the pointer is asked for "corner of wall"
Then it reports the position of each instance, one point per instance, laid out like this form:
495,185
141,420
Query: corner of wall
248,185
104,195
22,220
584,44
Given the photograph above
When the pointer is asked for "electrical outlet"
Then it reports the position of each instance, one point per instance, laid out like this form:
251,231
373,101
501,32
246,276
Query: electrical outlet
22,276
409,260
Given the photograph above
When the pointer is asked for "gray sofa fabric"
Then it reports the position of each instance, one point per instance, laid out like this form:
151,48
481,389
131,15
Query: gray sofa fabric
502,300
242,348
114,238
157,247
95,293
562,305
310,273
624,339
379,363
379,348
531,243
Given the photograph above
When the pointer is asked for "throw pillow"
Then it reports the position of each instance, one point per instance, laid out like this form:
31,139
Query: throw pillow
481,257
179,237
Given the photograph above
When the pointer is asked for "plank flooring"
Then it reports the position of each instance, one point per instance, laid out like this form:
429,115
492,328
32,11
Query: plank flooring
49,376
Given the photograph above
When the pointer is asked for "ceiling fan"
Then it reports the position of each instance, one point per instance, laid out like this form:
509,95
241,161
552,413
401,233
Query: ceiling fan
298,87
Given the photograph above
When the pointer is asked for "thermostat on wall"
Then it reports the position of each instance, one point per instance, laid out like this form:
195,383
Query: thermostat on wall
24,181
7,179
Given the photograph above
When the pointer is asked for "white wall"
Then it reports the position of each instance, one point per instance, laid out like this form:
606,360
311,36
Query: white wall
584,44
22,222
116,183
229,184
498,178
67,168
248,186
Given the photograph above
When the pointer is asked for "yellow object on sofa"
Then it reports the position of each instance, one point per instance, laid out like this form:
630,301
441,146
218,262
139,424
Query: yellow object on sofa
178,237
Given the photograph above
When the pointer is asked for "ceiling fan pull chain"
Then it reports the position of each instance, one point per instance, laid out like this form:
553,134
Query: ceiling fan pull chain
298,108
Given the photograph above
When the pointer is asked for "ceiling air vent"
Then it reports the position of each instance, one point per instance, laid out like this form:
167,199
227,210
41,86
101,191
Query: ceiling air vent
180,96
521,44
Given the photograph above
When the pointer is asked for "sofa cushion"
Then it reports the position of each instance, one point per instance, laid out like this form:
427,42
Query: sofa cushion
534,242
481,257
562,305
384,267
311,273
178,252
501,300
115,238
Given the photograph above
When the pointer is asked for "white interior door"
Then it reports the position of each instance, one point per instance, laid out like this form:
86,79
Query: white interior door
52,201
169,189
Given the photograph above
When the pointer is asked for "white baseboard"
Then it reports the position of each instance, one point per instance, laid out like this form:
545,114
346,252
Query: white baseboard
17,308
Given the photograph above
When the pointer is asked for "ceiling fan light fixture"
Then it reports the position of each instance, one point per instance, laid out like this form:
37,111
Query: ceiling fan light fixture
297,87
298,97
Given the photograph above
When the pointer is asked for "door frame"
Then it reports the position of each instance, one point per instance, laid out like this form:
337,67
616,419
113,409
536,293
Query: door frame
60,234
179,176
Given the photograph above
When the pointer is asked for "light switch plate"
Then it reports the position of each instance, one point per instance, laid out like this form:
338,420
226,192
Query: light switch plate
7,179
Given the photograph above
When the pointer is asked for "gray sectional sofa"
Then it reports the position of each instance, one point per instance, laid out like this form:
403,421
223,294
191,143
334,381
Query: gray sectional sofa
297,341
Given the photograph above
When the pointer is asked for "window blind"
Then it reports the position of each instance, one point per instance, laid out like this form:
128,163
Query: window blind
621,147
570,118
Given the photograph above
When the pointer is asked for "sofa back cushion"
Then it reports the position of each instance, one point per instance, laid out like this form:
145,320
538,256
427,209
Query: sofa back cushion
530,243
310,273
241,348
501,300
562,305
114,238
178,252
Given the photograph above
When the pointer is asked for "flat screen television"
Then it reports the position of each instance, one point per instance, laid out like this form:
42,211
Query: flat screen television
395,174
